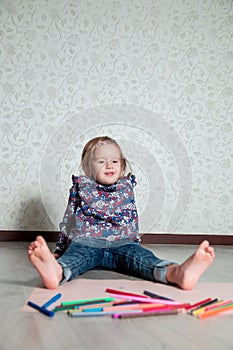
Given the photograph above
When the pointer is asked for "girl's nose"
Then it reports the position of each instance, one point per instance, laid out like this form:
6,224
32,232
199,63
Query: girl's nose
109,164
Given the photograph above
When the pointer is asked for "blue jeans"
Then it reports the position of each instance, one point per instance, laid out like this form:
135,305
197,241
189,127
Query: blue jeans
130,259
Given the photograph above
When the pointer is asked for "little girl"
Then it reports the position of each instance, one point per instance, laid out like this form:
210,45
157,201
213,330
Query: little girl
100,228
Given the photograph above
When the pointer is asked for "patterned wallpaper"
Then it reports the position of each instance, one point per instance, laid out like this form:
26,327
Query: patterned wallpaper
156,75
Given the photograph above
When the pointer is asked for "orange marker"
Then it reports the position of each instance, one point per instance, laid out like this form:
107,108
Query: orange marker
216,311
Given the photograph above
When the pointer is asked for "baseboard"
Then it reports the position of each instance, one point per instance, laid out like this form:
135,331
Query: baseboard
165,238
147,238
27,236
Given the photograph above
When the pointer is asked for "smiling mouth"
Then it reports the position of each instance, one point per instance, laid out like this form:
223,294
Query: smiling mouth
110,173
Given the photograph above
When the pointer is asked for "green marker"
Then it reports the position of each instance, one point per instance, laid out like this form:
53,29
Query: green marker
87,301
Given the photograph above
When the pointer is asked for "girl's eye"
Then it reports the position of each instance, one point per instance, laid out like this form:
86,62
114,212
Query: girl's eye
104,161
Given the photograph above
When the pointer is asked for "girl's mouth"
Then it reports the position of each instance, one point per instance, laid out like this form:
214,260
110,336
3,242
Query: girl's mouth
110,173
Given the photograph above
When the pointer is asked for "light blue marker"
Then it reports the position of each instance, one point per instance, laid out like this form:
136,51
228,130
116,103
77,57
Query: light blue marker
86,314
94,309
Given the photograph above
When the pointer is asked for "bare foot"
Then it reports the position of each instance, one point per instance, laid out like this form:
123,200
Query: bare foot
187,274
45,263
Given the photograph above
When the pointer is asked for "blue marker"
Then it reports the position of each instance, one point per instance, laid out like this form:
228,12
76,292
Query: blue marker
52,300
43,309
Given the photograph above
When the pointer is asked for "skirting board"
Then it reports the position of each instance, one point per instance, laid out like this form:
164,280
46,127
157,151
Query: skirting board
147,238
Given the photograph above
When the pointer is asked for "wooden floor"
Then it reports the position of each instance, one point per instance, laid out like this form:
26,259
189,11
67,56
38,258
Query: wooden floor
30,330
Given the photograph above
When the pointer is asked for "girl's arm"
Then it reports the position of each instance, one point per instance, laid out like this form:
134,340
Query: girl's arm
66,224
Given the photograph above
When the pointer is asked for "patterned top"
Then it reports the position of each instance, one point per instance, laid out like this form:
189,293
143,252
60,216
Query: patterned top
99,214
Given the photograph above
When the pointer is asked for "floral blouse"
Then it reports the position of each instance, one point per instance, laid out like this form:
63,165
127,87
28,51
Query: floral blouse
101,212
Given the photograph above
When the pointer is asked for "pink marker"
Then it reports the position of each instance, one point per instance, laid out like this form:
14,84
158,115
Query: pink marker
144,300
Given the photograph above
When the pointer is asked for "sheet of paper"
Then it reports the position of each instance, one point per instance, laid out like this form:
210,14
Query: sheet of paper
82,288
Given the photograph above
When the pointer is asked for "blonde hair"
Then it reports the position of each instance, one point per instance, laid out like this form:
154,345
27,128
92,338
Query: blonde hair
92,145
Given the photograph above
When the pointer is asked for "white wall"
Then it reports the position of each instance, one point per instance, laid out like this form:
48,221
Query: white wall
156,75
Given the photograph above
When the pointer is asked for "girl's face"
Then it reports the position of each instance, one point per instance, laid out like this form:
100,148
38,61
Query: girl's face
106,165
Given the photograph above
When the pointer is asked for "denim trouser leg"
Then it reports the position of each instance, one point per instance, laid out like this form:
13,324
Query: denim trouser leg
79,258
135,260
131,259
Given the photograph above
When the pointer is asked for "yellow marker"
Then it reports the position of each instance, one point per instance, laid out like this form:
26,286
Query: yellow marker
204,308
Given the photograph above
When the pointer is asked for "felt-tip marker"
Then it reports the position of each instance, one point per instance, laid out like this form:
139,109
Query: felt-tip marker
41,309
145,300
52,300
203,305
144,314
157,296
86,301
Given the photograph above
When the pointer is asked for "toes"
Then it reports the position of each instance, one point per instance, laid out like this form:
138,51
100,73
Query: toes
40,240
32,246
205,244
37,243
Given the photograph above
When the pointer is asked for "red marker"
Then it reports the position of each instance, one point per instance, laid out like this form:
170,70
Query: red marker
116,291
199,303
